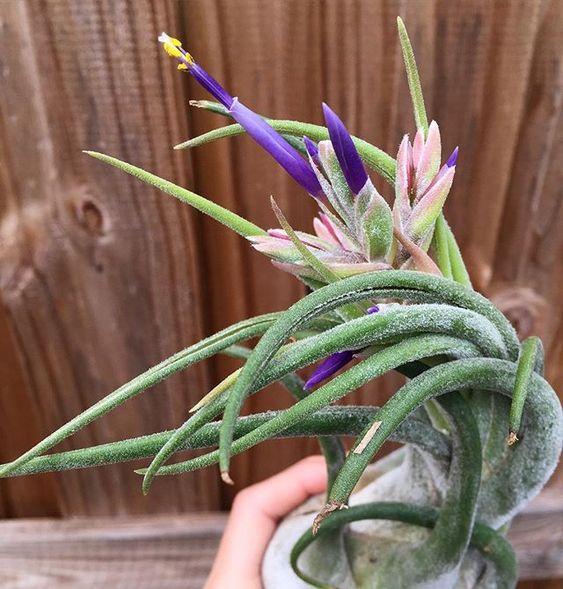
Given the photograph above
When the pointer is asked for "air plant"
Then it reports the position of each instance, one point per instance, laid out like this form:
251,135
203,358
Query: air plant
481,427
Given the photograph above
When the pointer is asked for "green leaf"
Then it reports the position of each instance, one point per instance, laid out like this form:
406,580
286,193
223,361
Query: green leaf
531,348
380,362
339,421
543,437
331,446
381,329
332,296
445,548
413,78
495,549
459,271
199,351
213,210
441,247
374,157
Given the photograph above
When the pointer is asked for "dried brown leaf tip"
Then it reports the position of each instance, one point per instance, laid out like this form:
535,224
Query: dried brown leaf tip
511,439
330,507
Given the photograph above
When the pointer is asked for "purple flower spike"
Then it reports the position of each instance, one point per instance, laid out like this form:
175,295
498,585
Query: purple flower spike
313,151
452,160
286,155
328,367
374,309
348,157
311,147
208,82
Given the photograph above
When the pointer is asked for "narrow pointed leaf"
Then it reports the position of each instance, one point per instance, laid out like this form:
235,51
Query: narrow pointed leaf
208,207
531,347
199,351
413,78
374,157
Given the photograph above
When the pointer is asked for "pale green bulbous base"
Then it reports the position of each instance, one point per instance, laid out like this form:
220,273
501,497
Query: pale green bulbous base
363,555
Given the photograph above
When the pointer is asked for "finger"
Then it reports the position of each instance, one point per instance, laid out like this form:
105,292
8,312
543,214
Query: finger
254,517
278,495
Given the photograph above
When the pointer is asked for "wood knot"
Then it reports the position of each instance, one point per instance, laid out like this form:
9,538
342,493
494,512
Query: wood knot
89,216
523,307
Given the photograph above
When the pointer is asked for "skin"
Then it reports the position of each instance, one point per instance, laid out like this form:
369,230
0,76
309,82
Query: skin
254,517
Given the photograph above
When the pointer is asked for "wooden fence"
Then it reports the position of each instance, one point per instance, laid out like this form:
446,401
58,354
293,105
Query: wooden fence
101,277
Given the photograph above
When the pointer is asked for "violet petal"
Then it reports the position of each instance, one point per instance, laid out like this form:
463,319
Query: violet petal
286,155
263,133
452,160
328,367
346,152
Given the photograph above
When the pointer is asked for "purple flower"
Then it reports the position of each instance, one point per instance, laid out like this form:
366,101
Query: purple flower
334,362
328,367
346,152
452,160
286,155
311,147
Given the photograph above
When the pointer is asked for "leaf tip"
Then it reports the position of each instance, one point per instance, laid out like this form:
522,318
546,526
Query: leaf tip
226,478
511,439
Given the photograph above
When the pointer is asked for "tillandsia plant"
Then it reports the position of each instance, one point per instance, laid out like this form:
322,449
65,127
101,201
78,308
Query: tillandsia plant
481,428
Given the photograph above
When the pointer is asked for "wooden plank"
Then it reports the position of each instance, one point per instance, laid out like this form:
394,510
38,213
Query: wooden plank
174,551
169,551
99,277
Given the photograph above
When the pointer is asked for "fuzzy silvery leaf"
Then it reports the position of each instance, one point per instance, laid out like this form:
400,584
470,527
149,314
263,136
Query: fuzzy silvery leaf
426,211
428,160
403,184
342,199
374,220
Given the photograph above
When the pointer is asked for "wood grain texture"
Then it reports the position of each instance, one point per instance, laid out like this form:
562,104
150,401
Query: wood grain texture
169,551
97,270
100,277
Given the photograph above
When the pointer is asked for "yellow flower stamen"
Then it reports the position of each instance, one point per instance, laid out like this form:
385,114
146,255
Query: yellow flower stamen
172,47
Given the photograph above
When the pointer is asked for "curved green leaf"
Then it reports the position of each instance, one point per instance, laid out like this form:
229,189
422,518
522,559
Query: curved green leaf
199,351
376,365
531,347
349,290
543,427
493,546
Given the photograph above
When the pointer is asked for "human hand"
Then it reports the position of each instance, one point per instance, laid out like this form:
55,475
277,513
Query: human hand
254,516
